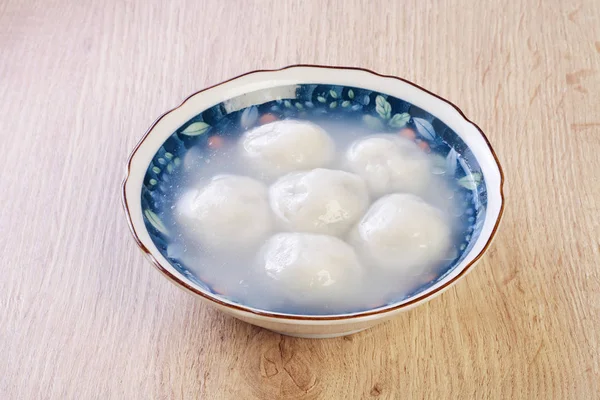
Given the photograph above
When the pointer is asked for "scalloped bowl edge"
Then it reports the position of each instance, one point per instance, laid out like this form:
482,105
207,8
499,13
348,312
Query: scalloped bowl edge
314,326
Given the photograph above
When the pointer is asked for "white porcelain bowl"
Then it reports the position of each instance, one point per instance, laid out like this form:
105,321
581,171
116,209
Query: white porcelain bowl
382,102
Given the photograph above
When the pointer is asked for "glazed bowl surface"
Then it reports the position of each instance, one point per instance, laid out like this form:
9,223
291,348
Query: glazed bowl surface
376,102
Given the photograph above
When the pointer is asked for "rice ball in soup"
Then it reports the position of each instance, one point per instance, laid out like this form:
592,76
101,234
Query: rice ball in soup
231,211
311,269
319,201
402,234
277,148
389,164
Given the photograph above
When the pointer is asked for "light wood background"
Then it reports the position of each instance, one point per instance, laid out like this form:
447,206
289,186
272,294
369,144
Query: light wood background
83,316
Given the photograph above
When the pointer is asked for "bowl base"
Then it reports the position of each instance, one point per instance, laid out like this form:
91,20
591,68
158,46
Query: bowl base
320,336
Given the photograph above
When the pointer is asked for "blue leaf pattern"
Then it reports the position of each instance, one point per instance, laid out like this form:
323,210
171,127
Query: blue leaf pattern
451,162
249,117
424,128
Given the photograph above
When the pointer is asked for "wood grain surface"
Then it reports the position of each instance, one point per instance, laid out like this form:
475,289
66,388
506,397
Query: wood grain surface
84,316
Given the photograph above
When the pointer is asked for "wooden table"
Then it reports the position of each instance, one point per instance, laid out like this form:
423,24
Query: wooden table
84,316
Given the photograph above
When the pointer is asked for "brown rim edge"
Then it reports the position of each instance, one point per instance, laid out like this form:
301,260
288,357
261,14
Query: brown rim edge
418,299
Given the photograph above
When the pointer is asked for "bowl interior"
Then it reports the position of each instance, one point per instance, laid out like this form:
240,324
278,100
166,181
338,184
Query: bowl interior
377,112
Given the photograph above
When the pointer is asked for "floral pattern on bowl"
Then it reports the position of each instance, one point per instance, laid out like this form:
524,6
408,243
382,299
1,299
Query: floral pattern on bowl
376,111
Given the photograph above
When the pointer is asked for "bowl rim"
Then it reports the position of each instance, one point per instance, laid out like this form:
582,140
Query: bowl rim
378,311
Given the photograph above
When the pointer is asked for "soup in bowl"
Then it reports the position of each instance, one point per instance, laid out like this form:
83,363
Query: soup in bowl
314,201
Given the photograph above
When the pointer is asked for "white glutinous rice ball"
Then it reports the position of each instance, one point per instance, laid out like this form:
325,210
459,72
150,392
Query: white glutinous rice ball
280,147
402,234
231,212
319,201
310,269
389,164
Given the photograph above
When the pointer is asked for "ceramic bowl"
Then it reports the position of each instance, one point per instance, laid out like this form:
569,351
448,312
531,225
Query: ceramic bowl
381,103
